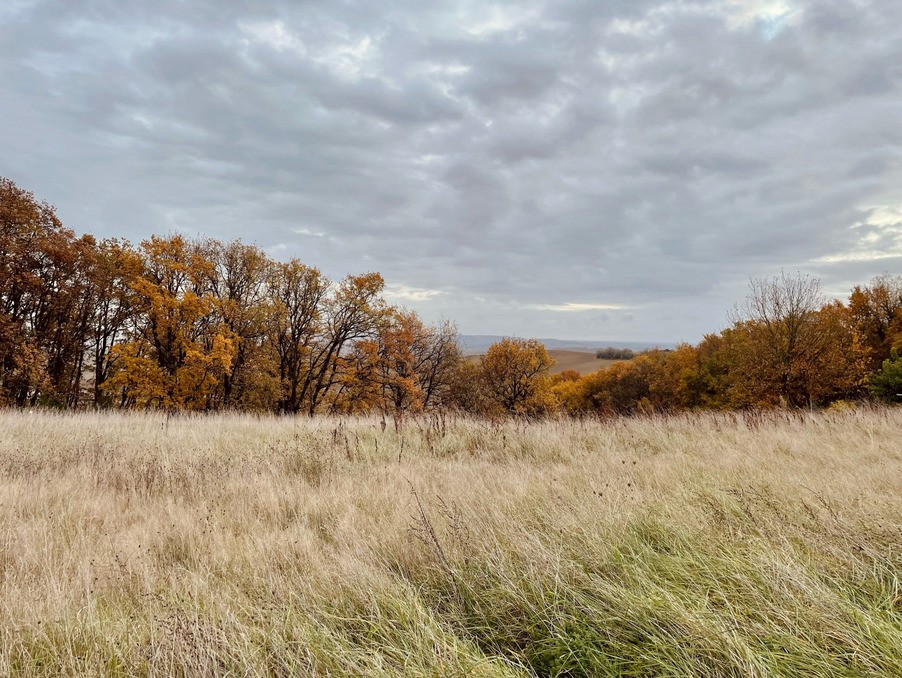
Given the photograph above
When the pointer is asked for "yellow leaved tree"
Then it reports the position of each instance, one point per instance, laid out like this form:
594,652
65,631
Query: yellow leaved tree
179,351
515,373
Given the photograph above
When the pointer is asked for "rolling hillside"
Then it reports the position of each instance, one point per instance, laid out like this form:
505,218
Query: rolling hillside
581,361
476,344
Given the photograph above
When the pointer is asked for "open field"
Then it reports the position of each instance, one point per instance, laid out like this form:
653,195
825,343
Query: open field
695,545
583,362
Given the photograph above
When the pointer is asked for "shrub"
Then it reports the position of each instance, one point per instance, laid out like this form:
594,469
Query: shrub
886,383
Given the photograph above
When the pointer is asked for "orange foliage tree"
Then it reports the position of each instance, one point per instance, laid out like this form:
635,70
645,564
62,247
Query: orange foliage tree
515,374
113,268
236,284
778,344
297,293
179,350
45,302
316,324
876,312
407,367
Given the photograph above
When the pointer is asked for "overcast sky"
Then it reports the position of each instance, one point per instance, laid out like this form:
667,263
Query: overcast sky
594,169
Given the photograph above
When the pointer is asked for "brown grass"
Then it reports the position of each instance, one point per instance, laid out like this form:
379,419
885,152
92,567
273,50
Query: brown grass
583,362
695,545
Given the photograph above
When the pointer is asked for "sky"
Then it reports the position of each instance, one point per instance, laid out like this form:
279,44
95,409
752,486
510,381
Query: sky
578,169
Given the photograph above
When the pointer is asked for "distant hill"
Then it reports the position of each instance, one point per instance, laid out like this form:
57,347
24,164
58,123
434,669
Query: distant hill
477,344
583,362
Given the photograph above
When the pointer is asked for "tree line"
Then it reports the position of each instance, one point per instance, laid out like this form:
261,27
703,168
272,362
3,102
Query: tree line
786,347
196,324
182,324
612,353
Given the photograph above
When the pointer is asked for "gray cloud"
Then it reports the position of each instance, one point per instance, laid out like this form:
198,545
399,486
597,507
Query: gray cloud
638,159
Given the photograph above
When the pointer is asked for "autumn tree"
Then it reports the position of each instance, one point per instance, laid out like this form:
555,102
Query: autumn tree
514,371
437,352
237,285
468,390
876,311
777,340
840,369
676,379
653,381
714,376
568,389
410,363
24,223
359,389
297,293
416,361
350,313
623,388
45,303
397,351
112,269
315,325
61,315
180,350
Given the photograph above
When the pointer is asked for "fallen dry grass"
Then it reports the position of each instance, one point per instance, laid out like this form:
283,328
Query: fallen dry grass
694,545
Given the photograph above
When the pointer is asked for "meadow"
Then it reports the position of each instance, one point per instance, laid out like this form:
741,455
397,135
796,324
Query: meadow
695,545
583,362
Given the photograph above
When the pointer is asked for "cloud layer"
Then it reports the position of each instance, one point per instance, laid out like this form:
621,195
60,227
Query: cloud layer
629,162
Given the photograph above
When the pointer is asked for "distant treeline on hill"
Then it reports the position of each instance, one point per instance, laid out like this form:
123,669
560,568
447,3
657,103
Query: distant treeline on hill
611,353
201,325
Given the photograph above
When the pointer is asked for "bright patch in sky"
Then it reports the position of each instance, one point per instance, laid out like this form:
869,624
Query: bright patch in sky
310,233
275,35
492,19
879,237
743,12
407,293
574,307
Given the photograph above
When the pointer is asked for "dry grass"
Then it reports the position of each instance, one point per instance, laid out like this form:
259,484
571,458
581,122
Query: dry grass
583,362
695,545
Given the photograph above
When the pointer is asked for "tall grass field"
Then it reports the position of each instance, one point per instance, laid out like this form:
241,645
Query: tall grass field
696,545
